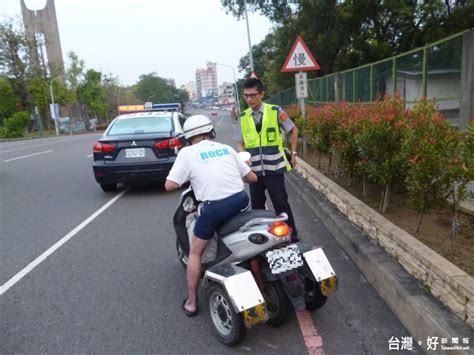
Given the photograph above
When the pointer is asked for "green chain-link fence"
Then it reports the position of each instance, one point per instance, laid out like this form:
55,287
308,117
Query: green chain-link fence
433,71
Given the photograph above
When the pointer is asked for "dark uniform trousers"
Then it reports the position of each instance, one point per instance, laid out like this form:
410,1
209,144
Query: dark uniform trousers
275,185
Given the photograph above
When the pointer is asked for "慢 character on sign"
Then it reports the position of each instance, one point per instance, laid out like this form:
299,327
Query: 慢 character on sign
299,58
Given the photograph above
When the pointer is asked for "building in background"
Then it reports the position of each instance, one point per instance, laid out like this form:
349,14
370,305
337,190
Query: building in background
226,93
41,29
206,84
191,90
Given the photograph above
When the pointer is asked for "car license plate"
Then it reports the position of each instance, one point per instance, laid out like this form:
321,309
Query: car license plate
134,153
284,259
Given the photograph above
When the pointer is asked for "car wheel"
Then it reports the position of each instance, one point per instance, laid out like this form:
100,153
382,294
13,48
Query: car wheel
227,325
108,187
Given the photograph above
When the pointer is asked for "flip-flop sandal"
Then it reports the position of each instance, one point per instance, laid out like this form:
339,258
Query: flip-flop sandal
187,312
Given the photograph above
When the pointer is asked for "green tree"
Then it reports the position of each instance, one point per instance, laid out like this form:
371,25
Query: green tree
15,58
15,126
8,99
151,87
92,93
346,34
112,93
38,88
75,72
75,77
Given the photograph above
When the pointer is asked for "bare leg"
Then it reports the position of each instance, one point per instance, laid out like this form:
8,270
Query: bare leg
194,271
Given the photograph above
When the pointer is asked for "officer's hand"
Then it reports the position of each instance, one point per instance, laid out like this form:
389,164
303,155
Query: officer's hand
293,161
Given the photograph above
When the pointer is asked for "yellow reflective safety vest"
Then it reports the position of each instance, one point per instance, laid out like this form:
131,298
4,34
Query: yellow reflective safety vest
266,147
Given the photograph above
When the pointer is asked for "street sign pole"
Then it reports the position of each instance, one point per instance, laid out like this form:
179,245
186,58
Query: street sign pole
303,115
301,84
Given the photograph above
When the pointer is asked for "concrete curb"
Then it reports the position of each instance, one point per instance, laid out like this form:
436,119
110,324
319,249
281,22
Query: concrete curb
422,314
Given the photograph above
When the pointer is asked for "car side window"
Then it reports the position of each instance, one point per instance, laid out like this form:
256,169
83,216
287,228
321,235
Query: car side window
181,119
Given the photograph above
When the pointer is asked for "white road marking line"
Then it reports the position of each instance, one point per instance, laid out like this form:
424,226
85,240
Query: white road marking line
89,155
40,145
4,288
29,155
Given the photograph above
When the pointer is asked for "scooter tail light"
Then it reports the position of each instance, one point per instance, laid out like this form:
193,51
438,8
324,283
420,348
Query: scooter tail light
280,229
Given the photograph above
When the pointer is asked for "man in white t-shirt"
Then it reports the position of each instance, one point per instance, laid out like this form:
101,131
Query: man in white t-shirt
216,174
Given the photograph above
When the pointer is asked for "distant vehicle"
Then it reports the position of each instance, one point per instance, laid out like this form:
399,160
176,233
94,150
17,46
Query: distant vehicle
138,148
213,113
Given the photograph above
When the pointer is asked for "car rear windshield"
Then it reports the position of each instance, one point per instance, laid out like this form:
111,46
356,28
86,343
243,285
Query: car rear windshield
141,125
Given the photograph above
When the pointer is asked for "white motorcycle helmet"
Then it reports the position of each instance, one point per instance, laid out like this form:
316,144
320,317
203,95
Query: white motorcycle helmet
196,125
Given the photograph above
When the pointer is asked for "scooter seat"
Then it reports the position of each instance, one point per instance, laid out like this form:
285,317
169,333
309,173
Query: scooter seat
239,220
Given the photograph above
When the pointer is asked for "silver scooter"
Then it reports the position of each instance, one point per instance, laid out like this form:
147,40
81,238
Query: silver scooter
252,273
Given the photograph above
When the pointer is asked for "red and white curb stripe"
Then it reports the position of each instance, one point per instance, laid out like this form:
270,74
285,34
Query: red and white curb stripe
312,339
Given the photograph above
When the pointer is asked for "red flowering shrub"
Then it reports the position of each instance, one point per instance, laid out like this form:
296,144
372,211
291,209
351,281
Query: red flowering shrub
416,149
380,145
353,120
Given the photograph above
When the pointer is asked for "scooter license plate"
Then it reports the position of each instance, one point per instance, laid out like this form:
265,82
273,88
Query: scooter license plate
254,315
284,259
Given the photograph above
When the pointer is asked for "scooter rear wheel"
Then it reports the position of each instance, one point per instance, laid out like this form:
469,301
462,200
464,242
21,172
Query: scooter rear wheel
277,303
313,297
227,325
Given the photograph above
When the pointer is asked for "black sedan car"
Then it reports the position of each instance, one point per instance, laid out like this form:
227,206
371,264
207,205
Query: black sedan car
138,148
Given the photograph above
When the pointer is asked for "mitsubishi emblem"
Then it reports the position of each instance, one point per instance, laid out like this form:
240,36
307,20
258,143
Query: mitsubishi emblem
134,143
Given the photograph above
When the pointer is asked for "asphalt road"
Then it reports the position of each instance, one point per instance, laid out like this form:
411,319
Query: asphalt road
116,285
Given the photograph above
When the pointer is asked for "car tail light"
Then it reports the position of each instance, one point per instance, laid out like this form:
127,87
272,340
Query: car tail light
169,144
104,147
175,143
280,229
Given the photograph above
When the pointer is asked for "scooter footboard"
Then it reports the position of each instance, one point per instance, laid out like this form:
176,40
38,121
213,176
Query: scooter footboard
322,270
242,289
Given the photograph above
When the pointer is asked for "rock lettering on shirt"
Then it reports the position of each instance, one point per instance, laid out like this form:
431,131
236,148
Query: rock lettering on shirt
203,156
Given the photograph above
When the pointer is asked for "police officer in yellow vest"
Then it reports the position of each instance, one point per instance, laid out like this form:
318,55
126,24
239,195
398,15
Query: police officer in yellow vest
258,131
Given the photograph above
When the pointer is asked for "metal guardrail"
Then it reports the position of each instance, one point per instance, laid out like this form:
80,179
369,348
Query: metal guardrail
432,71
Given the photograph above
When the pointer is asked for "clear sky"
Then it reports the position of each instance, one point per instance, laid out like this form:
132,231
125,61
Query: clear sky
132,37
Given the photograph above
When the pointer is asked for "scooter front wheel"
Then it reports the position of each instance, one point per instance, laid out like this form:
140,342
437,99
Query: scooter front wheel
227,325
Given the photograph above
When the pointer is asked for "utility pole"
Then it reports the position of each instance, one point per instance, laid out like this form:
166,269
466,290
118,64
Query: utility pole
54,114
235,84
248,36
